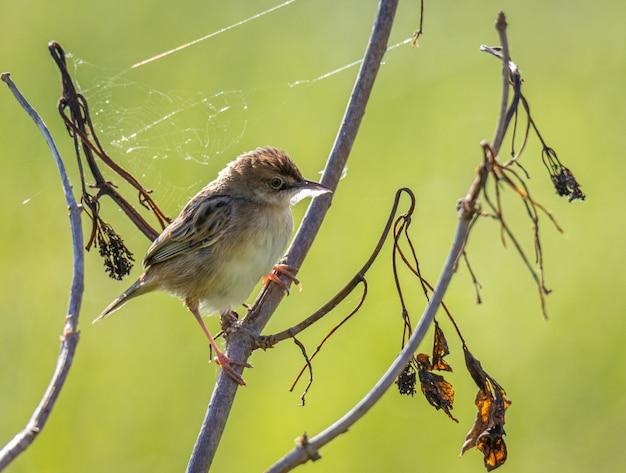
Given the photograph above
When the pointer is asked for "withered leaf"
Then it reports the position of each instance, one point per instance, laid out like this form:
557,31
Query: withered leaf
475,368
437,391
440,349
423,361
488,429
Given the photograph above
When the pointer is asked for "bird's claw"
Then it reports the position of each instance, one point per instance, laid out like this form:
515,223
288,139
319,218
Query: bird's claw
285,270
227,364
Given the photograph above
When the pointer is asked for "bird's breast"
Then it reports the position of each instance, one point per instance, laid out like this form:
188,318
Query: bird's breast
264,242
252,253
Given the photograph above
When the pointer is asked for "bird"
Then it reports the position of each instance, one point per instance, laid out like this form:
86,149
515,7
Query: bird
226,238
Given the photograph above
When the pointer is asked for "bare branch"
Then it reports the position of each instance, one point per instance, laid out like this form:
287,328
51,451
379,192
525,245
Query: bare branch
70,336
504,117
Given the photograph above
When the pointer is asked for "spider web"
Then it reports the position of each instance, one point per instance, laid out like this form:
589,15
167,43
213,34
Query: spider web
148,130
140,127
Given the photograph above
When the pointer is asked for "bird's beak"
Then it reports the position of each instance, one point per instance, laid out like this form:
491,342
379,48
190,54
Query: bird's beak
308,189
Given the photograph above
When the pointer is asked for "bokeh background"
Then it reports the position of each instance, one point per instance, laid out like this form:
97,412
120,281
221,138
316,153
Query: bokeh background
140,383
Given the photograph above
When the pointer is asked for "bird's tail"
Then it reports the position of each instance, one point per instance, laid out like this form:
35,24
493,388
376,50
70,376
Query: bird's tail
141,286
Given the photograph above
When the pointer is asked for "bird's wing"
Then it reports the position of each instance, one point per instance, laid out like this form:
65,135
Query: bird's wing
200,225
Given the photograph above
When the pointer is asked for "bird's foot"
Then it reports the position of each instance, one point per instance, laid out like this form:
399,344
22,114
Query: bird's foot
228,366
284,270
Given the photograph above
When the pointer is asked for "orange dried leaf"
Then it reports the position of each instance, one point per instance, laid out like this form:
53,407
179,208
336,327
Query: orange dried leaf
423,361
494,450
483,402
437,391
488,429
440,349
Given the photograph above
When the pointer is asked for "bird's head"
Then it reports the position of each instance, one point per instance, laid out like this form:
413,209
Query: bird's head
269,175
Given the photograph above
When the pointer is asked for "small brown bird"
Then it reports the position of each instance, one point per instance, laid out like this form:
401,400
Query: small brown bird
226,239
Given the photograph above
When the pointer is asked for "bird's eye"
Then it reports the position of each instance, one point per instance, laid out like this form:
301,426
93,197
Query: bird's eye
276,183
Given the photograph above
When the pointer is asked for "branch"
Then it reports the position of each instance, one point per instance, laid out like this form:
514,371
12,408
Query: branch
510,75
503,118
69,339
80,127
240,344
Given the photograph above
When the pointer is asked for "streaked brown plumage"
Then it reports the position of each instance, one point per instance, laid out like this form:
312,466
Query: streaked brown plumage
226,238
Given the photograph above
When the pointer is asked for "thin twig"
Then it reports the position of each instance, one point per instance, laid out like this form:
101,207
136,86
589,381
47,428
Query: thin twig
503,117
310,368
240,345
330,333
70,337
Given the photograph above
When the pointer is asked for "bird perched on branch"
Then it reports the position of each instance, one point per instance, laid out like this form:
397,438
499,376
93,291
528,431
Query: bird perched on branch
226,238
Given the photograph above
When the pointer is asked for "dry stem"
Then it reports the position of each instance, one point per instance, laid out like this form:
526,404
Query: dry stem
69,339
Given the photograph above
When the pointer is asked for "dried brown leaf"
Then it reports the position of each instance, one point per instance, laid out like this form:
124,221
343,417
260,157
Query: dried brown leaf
440,350
437,391
423,361
488,429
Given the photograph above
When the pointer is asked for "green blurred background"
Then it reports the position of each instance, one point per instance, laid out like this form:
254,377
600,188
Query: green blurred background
140,383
